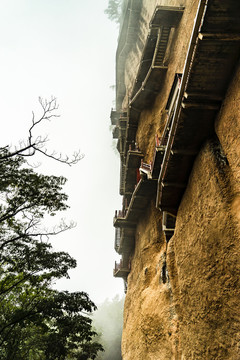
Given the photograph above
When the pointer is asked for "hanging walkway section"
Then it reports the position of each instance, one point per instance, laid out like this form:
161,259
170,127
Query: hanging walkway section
213,54
121,270
142,189
138,180
128,37
153,65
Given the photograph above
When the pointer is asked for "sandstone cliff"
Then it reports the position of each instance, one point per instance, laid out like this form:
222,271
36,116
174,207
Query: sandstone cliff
182,300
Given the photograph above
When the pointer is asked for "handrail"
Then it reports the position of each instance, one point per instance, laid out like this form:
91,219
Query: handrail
120,214
146,166
135,147
160,141
119,266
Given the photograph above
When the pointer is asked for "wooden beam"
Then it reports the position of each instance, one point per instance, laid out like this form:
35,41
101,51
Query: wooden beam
219,36
197,105
172,211
161,67
123,223
203,96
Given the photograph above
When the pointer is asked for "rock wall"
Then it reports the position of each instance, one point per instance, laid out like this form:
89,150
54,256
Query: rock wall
203,254
183,297
150,325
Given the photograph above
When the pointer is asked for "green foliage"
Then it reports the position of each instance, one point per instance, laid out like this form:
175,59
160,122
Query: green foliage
49,322
36,321
108,321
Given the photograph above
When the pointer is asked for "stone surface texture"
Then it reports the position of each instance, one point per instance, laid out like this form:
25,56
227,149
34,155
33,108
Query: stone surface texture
195,314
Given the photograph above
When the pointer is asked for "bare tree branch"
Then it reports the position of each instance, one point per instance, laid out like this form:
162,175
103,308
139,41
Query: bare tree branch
27,233
37,144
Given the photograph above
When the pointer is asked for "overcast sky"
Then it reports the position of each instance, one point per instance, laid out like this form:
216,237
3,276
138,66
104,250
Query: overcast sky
66,48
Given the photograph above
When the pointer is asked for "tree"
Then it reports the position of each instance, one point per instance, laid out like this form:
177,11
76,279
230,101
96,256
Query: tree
52,324
36,321
113,10
35,144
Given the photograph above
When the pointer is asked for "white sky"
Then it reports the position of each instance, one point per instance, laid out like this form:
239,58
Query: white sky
66,48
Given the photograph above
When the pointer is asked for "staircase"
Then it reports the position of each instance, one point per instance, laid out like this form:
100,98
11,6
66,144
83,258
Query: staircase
161,46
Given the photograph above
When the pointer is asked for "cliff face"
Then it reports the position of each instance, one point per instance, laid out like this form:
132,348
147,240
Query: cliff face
204,261
183,297
182,300
148,301
204,252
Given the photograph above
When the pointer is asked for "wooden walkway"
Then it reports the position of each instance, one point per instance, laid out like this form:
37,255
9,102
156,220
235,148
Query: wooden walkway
194,102
214,57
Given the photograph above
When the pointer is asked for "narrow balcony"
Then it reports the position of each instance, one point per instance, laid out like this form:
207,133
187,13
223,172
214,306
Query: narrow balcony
140,198
114,117
120,220
211,61
152,169
115,132
133,162
131,131
122,126
119,120
124,240
153,66
140,181
121,270
168,225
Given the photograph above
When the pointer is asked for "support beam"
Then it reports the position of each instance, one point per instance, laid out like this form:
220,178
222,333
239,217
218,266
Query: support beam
203,96
197,105
219,37
123,223
161,67
172,211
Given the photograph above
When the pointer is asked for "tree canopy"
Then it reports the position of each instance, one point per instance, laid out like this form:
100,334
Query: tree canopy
113,10
37,321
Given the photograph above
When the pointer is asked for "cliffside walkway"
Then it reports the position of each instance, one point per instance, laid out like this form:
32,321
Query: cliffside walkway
212,56
193,104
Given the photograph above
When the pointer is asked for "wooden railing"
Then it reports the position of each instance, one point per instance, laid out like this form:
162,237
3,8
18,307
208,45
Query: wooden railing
117,239
146,166
115,116
120,213
161,141
133,147
120,266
